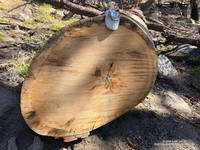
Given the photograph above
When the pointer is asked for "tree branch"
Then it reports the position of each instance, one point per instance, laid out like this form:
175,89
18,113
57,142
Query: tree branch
75,8
20,6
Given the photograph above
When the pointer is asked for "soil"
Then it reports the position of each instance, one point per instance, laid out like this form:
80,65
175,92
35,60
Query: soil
151,125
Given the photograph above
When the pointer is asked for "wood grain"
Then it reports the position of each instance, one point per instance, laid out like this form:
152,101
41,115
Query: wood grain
86,77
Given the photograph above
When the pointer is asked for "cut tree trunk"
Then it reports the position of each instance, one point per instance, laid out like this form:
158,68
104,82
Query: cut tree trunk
87,76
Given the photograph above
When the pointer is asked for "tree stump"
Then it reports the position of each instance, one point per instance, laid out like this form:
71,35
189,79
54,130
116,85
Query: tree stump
87,76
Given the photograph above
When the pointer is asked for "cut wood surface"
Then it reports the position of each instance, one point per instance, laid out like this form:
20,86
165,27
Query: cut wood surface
87,76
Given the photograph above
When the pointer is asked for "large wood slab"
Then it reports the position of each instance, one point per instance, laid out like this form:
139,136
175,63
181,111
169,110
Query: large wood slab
87,76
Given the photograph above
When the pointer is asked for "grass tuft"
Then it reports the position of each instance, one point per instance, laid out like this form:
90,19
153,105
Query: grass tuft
1,8
58,26
2,38
4,20
22,66
30,21
44,14
23,63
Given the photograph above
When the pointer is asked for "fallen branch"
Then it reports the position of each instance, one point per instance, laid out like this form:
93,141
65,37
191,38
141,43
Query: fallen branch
12,26
181,39
75,8
170,36
169,51
31,1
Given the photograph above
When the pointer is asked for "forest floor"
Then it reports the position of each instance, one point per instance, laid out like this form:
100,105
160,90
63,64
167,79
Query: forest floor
161,122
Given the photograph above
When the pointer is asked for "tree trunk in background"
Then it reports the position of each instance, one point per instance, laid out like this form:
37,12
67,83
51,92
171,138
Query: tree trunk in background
194,9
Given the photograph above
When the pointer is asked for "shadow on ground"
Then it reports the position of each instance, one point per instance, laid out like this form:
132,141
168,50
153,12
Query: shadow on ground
144,128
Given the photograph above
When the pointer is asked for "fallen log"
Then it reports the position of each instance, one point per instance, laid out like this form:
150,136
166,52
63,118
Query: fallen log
87,76
75,8
90,12
177,32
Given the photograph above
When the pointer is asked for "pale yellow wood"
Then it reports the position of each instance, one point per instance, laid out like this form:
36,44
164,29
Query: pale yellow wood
87,77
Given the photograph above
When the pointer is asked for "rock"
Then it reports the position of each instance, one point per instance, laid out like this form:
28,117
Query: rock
166,103
175,103
8,99
12,144
165,68
37,144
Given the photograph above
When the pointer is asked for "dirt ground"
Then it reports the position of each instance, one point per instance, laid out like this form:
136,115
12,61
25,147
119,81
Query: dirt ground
160,122
148,126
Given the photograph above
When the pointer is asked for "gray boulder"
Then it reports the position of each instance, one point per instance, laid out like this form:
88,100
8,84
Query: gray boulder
166,68
173,102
